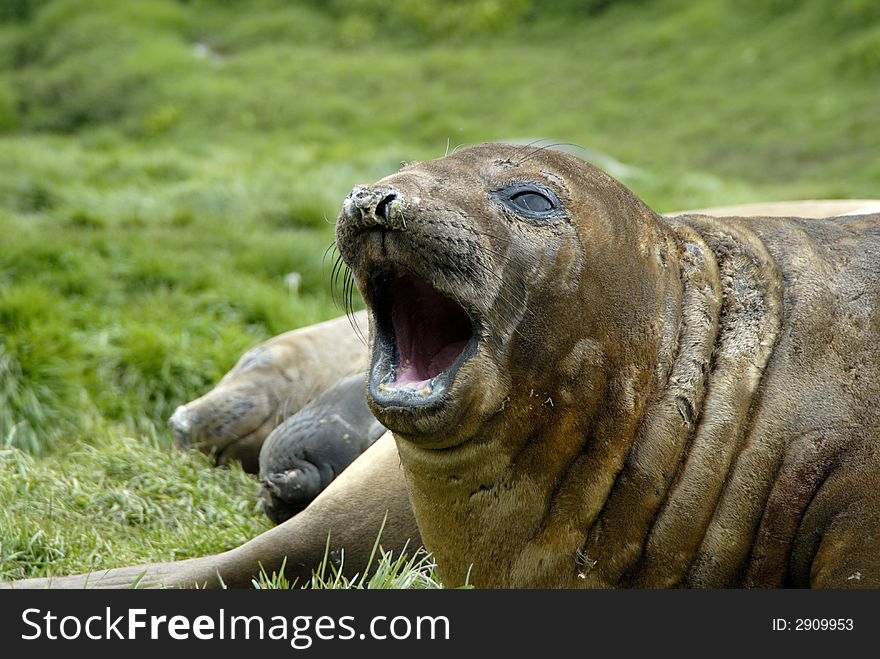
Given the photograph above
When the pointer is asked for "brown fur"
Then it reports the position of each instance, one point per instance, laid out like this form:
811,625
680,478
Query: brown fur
657,401
275,379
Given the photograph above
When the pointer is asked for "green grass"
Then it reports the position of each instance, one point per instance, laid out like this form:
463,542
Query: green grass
414,570
88,505
164,165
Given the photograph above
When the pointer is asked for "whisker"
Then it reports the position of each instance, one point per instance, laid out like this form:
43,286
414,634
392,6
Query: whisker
523,147
340,269
489,250
349,306
546,147
534,152
480,232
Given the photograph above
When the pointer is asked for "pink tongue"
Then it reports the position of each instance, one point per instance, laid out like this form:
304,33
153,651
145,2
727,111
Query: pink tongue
417,375
431,330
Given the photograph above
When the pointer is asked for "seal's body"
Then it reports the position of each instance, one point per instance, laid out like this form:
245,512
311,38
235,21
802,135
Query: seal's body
585,393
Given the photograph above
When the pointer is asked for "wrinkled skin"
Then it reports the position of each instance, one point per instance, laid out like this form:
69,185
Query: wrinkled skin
305,453
650,401
270,383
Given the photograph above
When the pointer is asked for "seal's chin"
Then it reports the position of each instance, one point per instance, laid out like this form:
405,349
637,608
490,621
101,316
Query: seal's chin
422,338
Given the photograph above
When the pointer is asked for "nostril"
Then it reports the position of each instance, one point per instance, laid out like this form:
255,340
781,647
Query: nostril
384,208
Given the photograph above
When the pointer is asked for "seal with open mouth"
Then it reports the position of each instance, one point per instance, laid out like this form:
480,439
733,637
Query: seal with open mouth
449,293
585,393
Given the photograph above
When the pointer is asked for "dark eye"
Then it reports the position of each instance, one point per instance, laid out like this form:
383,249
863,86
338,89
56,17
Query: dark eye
530,201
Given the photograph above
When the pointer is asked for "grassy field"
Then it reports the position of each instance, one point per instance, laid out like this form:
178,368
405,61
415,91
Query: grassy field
164,164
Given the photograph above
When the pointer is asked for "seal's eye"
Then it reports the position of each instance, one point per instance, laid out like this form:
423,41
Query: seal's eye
530,201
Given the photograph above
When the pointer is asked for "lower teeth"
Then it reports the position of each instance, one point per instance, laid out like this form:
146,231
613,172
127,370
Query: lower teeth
411,386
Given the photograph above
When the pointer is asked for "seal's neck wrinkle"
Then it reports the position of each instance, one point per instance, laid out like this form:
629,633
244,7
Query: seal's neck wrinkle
696,515
662,437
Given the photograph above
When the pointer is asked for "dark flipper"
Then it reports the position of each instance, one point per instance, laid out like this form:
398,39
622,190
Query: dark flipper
305,453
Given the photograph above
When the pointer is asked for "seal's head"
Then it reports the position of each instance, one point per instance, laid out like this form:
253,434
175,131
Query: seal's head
523,312
231,421
488,274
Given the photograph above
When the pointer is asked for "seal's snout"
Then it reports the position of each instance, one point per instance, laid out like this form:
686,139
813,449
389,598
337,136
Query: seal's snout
182,424
375,206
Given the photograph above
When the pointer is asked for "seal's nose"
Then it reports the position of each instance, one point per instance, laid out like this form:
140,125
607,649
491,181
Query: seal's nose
372,206
181,424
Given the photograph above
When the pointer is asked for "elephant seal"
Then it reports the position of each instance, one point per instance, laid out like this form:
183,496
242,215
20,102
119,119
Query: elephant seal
587,394
268,384
306,452
649,400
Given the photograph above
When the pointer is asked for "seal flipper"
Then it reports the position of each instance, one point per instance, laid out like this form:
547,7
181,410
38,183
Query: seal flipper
285,493
305,453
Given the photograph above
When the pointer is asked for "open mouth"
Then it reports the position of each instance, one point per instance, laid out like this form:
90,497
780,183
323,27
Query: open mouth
422,339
